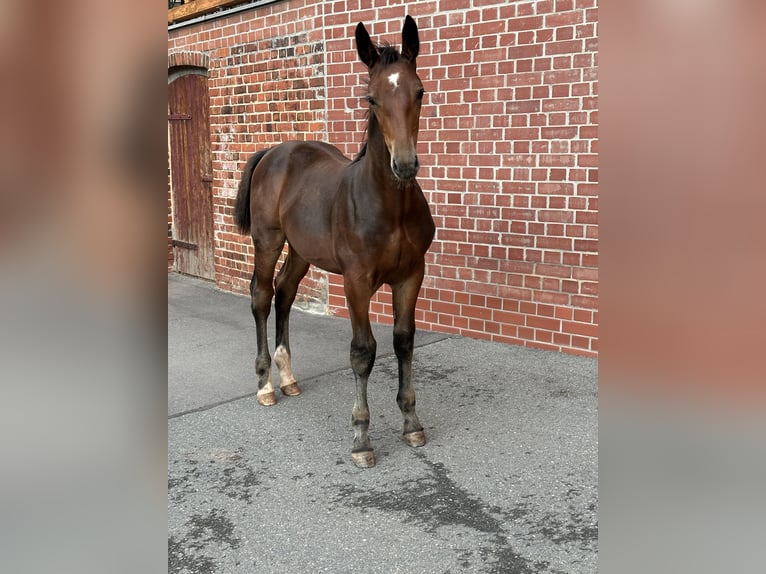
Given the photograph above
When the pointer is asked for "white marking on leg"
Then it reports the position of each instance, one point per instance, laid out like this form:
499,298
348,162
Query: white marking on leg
393,79
282,359
267,388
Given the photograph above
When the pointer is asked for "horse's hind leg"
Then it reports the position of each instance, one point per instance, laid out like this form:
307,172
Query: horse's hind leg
261,292
404,299
286,283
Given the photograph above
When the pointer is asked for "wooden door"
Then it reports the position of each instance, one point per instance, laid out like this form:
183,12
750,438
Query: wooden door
191,175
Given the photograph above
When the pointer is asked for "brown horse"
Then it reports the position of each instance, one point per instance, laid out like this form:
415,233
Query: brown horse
366,219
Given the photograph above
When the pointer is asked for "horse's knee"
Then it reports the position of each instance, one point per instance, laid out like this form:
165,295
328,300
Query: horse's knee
363,357
260,300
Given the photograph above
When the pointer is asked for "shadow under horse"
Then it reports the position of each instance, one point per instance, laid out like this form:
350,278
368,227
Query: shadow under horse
366,219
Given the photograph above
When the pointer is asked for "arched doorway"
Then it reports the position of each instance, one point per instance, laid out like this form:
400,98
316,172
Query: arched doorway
190,171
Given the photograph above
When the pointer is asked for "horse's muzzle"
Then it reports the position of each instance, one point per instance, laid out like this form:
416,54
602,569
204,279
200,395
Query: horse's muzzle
405,169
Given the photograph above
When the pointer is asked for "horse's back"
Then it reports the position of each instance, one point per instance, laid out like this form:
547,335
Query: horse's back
303,164
297,169
295,189
303,158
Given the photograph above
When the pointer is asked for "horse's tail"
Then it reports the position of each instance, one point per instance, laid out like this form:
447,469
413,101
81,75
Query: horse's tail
242,206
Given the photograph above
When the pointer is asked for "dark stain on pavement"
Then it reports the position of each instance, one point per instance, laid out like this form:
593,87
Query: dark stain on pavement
579,525
436,501
226,471
205,535
387,369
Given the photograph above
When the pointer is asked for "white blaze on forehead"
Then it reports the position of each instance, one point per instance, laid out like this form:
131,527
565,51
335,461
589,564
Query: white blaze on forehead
393,79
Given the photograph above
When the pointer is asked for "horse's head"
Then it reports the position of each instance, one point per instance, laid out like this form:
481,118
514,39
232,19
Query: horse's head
395,95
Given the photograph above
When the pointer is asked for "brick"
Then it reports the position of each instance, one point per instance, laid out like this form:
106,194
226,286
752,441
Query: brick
489,28
583,329
553,270
564,18
562,312
563,47
547,323
526,23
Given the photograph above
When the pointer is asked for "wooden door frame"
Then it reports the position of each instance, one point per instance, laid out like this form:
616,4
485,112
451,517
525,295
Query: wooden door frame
207,270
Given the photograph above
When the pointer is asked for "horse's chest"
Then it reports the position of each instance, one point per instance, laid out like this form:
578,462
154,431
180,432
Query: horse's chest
389,243
404,251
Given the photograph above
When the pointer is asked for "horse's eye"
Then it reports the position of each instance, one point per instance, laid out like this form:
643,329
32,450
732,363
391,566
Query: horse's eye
420,93
372,101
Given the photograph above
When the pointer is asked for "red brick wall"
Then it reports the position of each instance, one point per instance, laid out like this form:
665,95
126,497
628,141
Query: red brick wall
508,145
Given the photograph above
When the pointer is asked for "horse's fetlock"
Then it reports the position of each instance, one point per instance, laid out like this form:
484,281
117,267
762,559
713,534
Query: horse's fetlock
262,366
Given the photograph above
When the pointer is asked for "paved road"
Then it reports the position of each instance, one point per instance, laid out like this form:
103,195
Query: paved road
506,484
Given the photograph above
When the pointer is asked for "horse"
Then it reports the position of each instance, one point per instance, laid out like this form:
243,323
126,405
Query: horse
365,219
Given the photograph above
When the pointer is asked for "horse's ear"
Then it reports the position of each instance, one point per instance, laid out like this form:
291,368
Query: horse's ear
367,51
410,40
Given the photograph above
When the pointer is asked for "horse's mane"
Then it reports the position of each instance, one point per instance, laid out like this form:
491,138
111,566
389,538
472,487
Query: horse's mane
361,154
388,54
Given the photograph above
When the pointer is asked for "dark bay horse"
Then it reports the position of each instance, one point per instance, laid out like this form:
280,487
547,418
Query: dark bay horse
366,219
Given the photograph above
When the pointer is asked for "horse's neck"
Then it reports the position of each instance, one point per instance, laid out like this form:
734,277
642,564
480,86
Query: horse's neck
378,165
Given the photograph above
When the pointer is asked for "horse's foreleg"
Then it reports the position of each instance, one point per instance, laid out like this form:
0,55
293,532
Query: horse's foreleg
363,349
286,283
404,298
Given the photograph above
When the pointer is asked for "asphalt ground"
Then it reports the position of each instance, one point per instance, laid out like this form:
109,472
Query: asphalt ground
507,482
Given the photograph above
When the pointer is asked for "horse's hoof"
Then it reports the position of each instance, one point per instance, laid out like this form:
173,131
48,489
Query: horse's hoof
416,438
267,399
291,390
364,459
